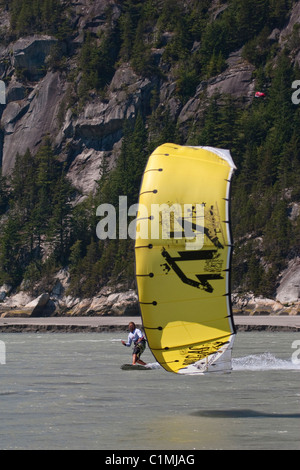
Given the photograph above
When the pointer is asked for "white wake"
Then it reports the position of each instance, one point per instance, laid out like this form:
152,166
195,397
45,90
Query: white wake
253,362
265,361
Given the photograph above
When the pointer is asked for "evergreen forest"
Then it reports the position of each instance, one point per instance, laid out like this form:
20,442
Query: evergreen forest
43,228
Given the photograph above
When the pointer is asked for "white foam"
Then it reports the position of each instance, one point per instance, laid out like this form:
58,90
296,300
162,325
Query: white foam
154,365
255,362
265,361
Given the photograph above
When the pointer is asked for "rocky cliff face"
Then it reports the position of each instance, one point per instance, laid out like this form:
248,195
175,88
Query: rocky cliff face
37,97
38,105
32,109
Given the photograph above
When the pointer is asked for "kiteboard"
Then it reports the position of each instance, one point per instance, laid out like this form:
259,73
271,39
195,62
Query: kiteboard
134,367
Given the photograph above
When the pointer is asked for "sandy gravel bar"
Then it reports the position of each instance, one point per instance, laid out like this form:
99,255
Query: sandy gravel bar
268,322
106,324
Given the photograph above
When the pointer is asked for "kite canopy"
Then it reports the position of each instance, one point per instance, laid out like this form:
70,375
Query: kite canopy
183,257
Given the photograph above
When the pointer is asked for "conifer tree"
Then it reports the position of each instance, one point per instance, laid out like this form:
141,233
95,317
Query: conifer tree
23,184
60,220
11,252
3,195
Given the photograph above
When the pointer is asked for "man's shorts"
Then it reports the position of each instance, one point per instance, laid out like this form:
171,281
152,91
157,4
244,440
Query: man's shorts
139,348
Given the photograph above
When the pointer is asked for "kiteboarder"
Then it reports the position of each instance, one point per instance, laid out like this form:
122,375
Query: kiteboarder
139,341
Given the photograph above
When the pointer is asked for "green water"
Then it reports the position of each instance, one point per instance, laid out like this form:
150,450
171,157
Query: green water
67,391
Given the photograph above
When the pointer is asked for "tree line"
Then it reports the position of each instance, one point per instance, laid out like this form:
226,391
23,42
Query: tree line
42,229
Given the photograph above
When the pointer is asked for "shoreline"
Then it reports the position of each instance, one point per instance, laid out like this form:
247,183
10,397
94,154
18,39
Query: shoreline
106,324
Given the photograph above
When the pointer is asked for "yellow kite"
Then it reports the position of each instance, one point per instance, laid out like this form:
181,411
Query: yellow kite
183,258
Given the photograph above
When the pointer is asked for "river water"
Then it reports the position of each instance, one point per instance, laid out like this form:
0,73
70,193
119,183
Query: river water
67,391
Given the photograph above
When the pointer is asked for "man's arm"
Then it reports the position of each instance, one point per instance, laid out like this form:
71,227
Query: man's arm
129,341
